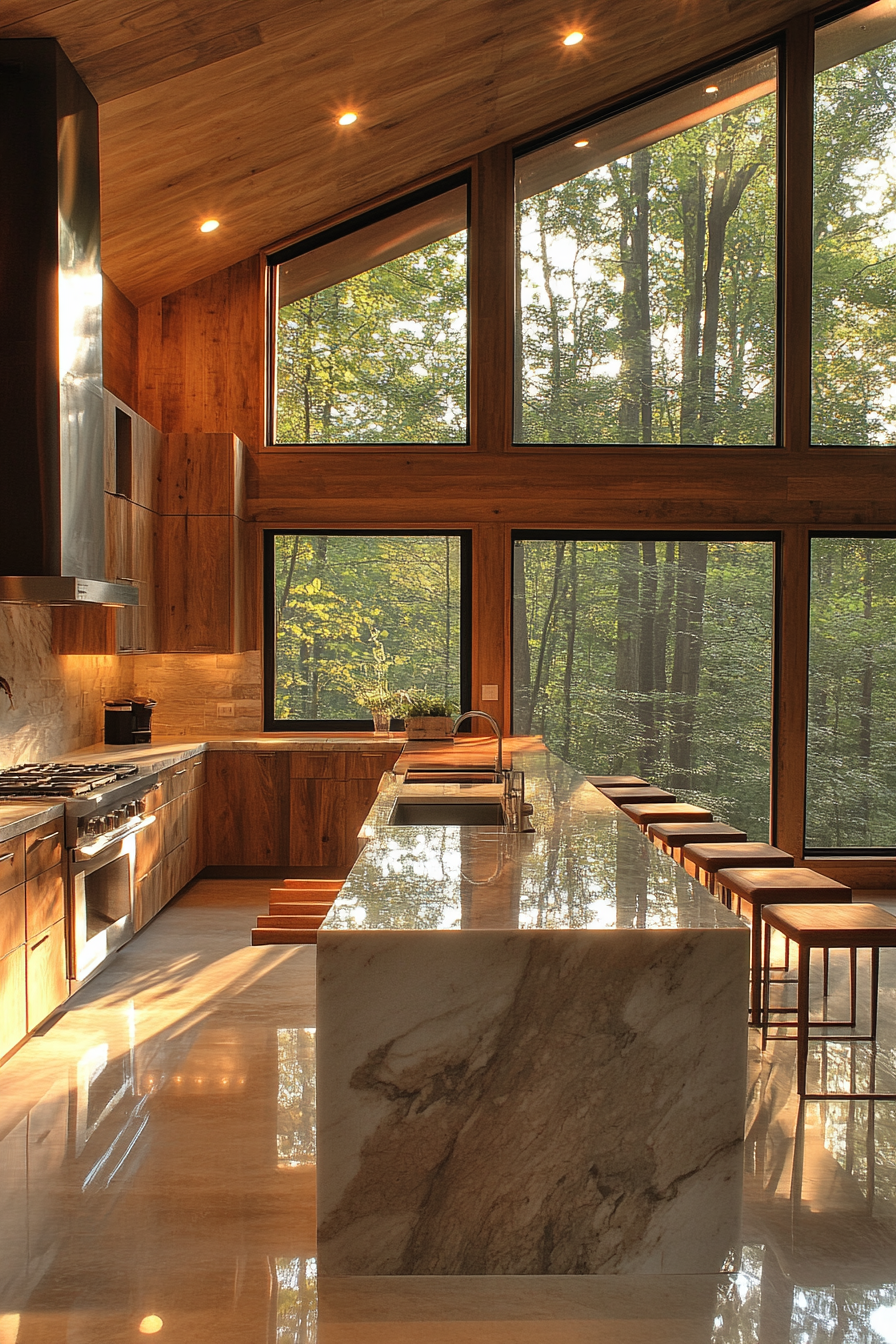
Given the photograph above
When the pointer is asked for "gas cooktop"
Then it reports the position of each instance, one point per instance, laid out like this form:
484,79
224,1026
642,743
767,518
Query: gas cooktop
55,779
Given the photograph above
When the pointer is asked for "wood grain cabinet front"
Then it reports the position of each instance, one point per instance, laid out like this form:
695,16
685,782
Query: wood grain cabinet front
330,794
44,901
46,985
12,919
12,862
43,848
13,1016
247,811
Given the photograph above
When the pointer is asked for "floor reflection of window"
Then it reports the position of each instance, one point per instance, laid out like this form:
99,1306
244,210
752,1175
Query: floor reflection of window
296,1072
296,1300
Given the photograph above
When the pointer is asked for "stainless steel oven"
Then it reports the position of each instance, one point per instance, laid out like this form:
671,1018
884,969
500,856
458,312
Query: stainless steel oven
101,904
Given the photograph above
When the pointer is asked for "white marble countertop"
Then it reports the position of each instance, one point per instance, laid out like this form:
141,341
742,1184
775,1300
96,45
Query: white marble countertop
585,867
165,751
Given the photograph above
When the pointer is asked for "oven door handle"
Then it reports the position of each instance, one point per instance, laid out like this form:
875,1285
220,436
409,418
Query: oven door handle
84,854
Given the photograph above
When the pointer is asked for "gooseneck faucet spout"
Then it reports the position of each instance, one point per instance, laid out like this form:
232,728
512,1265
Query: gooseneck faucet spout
481,714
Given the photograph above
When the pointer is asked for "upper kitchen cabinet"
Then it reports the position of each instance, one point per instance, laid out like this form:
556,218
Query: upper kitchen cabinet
207,570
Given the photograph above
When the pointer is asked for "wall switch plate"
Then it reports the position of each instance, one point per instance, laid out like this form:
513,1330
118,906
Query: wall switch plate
225,709
489,693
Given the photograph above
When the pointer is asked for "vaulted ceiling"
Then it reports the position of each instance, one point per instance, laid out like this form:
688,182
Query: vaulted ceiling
227,108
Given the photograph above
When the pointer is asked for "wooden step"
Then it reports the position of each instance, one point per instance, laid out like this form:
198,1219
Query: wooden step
268,937
303,894
319,908
321,884
278,921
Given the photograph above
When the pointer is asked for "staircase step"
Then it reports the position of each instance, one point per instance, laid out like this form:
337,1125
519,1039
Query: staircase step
268,937
279,921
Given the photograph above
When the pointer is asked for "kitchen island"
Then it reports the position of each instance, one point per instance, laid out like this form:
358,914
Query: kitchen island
532,1049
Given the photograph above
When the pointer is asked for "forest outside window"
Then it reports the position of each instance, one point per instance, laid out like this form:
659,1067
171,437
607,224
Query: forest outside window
369,332
348,615
651,656
854,239
646,264
851,778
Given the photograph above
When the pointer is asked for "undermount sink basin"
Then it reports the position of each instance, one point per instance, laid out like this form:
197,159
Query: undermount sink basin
428,775
450,812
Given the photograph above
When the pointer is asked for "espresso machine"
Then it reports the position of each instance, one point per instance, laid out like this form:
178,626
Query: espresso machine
128,722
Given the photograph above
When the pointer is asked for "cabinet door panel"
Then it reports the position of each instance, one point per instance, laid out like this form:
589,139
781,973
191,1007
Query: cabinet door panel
44,901
196,829
196,771
12,863
359,799
12,919
175,830
148,895
247,808
369,764
45,974
13,1021
317,764
196,583
43,848
178,865
149,848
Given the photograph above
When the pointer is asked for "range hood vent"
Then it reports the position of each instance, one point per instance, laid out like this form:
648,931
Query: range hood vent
52,542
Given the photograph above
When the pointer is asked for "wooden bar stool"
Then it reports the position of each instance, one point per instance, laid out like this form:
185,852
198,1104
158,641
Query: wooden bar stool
773,886
672,836
642,814
617,781
825,926
645,793
704,861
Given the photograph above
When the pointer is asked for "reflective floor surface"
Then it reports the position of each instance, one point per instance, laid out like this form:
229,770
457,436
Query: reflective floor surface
157,1178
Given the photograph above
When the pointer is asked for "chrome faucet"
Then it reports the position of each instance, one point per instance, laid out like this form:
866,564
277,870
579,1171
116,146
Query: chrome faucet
481,714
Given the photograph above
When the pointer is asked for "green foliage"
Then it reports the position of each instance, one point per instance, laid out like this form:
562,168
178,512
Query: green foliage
652,658
381,357
361,618
421,704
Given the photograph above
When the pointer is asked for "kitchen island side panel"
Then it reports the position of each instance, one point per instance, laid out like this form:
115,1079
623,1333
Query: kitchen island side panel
530,1101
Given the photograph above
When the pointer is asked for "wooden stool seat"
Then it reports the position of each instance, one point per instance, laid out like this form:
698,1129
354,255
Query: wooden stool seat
642,814
645,793
703,861
274,937
826,925
617,781
672,836
772,886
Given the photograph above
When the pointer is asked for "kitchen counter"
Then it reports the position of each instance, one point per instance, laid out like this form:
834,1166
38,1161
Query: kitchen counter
17,818
165,751
532,1049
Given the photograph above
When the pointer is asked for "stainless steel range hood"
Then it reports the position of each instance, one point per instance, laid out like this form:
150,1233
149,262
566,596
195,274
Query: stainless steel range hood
52,535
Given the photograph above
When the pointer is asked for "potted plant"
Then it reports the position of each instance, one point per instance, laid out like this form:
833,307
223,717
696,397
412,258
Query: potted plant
380,702
428,716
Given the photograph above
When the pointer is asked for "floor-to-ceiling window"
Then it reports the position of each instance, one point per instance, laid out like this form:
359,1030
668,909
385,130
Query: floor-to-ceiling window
651,655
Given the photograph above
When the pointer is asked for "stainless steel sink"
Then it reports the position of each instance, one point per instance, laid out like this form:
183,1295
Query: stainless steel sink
449,812
454,774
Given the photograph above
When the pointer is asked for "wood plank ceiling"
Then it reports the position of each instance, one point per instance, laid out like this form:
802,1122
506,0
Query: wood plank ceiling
228,108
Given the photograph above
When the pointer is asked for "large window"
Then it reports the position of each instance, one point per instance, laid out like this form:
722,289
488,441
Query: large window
370,328
854,241
852,694
348,615
651,656
646,304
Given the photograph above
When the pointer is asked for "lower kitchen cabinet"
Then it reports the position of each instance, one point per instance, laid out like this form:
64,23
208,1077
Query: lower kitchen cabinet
13,1016
247,817
45,979
172,851
148,894
330,794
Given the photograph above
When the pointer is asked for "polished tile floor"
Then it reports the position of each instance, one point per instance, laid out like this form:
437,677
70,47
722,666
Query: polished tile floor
157,1178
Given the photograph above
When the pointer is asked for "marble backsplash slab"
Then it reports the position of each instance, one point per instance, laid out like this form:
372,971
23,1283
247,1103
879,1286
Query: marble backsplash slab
58,698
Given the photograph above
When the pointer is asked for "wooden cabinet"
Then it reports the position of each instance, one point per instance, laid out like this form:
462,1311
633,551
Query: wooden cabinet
171,851
13,1020
330,794
45,980
12,862
247,821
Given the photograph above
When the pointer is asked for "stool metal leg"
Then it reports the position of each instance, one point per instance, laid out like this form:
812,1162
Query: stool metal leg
802,1016
875,980
766,984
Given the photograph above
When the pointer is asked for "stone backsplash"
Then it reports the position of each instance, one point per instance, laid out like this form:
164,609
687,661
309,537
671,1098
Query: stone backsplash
58,699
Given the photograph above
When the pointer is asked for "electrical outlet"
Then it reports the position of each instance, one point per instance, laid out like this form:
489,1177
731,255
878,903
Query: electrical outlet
225,709
489,693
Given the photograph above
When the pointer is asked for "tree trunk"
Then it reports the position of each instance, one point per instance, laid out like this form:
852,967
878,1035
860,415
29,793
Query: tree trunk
865,692
522,662
635,372
559,550
572,616
646,661
555,400
686,659
626,649
693,213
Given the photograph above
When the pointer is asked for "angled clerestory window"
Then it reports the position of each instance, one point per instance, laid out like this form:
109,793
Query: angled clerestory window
646,271
369,327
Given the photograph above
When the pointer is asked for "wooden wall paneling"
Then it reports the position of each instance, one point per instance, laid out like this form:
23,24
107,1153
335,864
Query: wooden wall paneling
120,342
150,364
491,300
791,690
492,591
798,109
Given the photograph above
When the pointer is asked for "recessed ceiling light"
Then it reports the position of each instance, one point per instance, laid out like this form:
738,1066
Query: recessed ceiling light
712,88
573,39
580,144
209,226
348,118
150,1325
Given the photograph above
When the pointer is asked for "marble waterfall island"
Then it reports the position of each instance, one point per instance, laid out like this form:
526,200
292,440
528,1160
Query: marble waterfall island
532,1050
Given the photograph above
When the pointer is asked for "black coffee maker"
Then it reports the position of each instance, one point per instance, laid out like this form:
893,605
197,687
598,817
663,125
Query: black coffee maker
128,722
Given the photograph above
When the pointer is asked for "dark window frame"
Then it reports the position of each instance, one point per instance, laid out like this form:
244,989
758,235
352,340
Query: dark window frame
773,535
775,41
273,725
844,851
332,234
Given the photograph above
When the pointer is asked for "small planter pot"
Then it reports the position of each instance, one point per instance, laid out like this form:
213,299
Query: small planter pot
433,729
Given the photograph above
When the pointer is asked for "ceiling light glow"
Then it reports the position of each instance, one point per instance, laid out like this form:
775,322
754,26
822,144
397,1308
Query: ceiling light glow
348,118
150,1325
209,226
712,88
580,144
573,39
